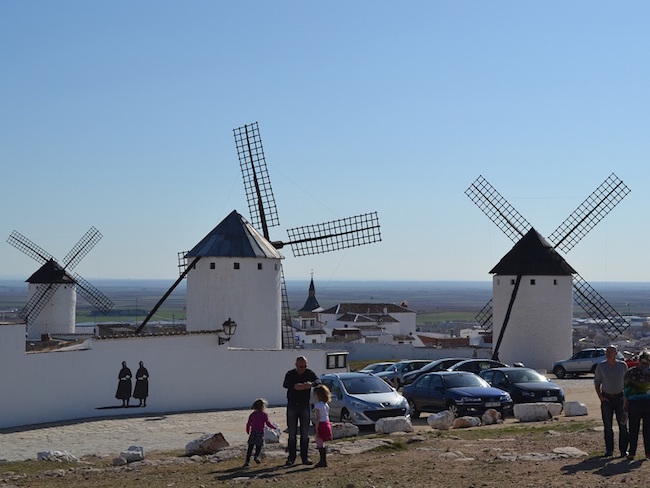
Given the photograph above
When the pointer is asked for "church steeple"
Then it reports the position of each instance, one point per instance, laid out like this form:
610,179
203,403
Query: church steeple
312,303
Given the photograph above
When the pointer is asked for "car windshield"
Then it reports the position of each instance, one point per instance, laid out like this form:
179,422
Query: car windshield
365,384
526,376
463,381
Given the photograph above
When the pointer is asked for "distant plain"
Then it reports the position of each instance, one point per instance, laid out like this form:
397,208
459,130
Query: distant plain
434,301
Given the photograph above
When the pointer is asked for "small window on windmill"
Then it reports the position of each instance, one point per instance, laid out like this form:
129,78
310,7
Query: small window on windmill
512,282
276,267
212,265
236,265
498,281
259,265
532,282
555,282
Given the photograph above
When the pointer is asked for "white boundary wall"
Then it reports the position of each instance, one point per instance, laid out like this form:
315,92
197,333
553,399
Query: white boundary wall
187,372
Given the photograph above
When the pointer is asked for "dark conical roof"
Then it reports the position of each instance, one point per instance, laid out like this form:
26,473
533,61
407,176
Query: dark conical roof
533,255
311,304
234,237
50,272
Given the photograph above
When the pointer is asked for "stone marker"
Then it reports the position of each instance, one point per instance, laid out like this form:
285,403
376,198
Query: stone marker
442,420
491,416
574,409
58,456
344,429
207,444
532,412
133,454
389,425
465,422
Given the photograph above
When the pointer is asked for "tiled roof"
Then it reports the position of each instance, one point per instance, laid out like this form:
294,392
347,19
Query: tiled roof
533,255
234,237
50,272
365,308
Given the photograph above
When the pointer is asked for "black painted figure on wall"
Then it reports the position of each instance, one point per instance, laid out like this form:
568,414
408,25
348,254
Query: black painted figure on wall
124,385
141,391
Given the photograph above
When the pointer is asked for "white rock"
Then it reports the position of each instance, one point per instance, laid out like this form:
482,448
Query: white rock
344,429
574,409
442,420
554,409
206,444
570,452
389,425
56,456
531,412
490,416
465,422
133,454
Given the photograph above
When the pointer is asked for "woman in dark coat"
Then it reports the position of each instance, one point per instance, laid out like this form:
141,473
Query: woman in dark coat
141,391
124,385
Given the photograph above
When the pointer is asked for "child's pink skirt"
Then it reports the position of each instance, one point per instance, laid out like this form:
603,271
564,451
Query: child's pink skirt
325,430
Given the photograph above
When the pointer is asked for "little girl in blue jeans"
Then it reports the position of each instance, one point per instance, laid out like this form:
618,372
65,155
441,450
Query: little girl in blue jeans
322,421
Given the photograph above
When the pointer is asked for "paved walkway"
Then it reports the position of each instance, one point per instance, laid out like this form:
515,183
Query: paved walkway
109,437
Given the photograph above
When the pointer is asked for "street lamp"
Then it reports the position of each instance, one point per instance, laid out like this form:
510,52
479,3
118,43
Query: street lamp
229,328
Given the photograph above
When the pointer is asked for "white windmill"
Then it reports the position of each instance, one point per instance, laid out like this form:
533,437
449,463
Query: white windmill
52,301
533,285
235,271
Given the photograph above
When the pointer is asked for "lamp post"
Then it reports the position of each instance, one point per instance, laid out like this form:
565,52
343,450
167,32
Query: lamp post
229,328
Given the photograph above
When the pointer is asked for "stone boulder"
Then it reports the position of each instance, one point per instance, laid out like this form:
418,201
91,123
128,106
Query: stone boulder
344,429
58,456
490,416
575,409
389,425
206,444
133,454
555,409
465,422
442,420
532,412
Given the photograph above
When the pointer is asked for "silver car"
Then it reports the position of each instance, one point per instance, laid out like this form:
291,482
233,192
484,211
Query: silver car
362,398
582,362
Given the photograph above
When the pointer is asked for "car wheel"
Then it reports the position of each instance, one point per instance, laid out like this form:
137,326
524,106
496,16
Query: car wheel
559,372
415,413
593,368
345,416
452,407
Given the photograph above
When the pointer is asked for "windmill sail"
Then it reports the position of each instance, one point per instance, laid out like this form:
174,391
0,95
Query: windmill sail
595,207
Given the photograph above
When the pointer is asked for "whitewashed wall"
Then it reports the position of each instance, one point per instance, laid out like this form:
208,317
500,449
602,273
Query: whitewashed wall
539,330
187,372
58,314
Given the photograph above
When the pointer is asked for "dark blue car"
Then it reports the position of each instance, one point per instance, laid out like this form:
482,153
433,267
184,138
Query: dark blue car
461,392
525,385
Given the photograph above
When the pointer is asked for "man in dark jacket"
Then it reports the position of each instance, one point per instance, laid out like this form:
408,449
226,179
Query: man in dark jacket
299,382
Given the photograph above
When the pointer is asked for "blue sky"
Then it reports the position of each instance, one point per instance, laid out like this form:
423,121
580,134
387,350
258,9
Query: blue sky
120,115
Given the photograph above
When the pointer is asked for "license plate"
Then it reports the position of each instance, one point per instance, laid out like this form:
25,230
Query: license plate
492,404
549,399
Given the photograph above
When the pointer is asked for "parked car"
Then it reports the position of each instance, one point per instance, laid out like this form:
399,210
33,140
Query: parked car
476,365
582,362
525,385
432,367
459,391
377,367
362,398
396,372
